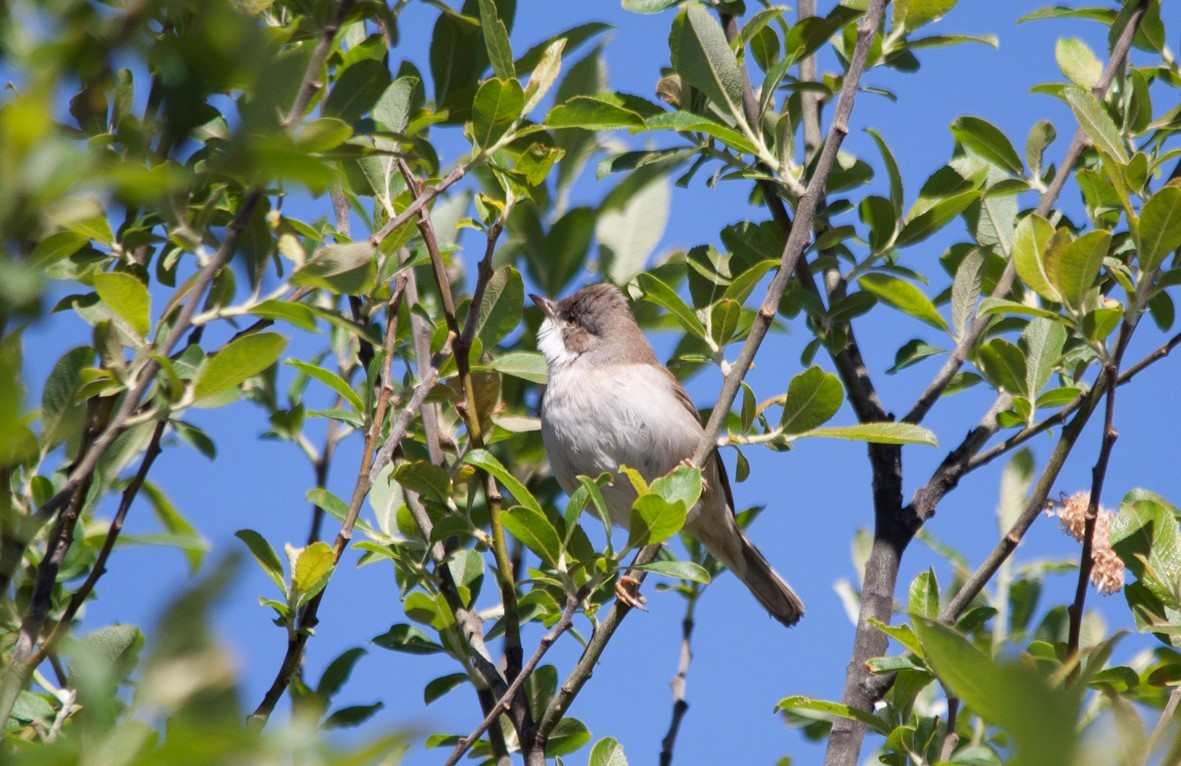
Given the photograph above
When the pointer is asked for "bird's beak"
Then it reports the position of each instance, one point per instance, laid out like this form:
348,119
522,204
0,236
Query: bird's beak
548,307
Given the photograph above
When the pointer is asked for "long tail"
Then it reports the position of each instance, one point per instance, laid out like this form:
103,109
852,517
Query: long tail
734,549
771,590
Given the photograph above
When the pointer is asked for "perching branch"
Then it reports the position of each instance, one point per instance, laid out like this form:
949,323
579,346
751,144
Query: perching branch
793,249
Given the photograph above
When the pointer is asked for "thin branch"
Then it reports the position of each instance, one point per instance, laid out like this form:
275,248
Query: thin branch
470,412
100,563
308,618
308,86
1034,507
565,622
680,706
950,738
1004,284
793,249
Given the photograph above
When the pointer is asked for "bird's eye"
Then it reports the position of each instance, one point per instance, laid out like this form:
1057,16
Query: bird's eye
567,320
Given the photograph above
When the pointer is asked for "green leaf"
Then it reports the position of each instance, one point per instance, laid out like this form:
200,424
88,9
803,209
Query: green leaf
1145,536
500,53
648,6
407,639
703,58
485,460
989,142
344,269
608,752
903,296
425,478
311,571
498,104
127,297
654,520
813,397
356,90
392,110
599,112
338,671
534,530
878,433
903,634
1096,123
1043,341
878,213
322,498
1004,365
1040,718
546,72
631,228
1072,268
678,570
500,311
441,685
1078,62
896,196
239,361
924,595
294,314
912,14
265,555
834,709
934,218
1160,228
60,413
656,291
965,290
569,735
1029,255
330,379
1041,135
352,715
527,365
681,485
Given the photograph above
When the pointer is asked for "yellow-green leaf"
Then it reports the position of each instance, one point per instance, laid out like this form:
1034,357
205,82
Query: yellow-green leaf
127,298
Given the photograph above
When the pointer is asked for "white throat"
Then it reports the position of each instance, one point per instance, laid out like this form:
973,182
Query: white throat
552,346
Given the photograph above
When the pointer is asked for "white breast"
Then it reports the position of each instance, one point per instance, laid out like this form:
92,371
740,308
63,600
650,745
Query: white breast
595,420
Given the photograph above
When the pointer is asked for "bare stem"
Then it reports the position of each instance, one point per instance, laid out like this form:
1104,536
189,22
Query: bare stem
502,705
293,657
680,706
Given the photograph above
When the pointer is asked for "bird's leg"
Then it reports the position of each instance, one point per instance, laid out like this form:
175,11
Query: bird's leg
627,590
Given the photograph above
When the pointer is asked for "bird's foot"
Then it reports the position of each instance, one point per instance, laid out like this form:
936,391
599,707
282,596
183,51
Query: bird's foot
704,484
627,590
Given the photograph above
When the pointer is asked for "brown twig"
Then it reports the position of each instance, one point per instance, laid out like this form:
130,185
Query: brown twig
680,706
308,86
564,623
972,333
793,249
950,738
470,412
100,563
293,657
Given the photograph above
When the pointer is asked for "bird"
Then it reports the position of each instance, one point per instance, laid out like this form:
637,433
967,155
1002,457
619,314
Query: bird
609,402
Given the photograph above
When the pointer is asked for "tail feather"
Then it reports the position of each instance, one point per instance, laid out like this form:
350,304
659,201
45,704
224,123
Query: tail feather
771,590
734,549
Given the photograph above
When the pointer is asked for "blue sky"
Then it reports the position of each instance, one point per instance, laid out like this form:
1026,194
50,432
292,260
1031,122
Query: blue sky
817,495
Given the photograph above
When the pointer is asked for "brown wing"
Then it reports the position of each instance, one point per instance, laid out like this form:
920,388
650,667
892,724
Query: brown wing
722,478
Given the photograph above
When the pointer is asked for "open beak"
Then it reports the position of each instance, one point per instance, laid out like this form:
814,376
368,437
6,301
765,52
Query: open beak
548,307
